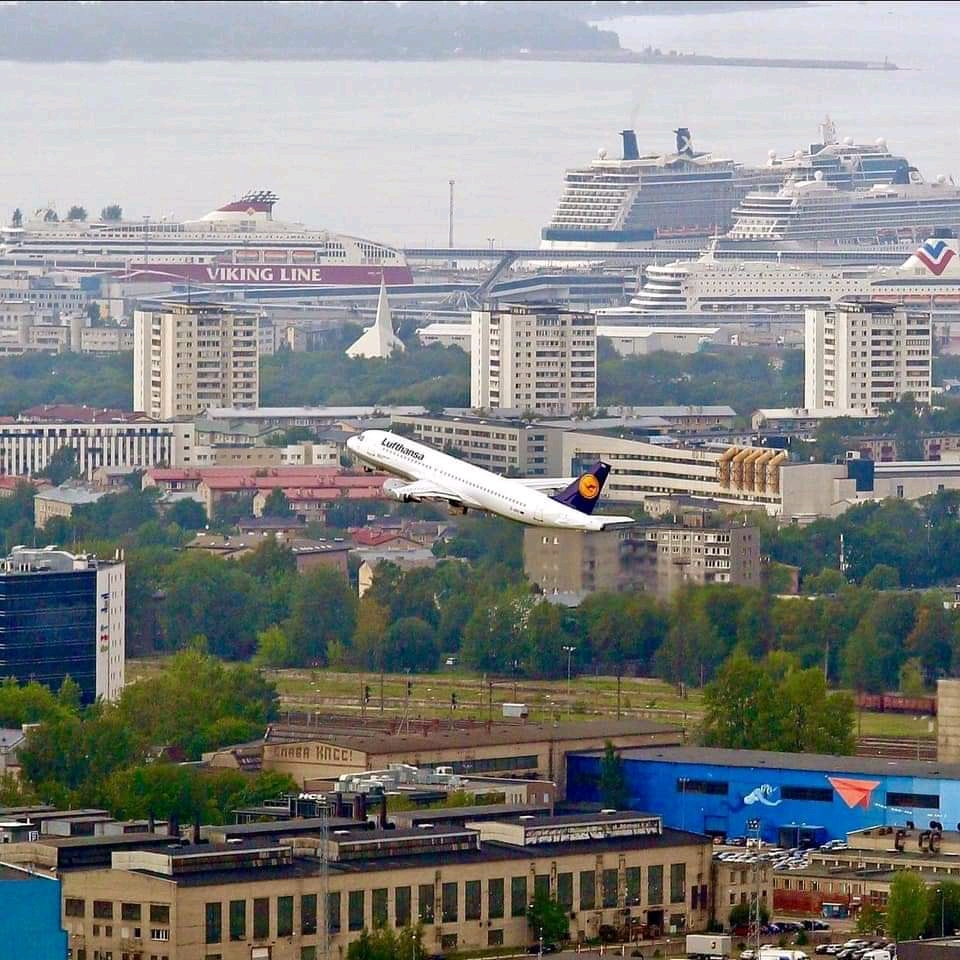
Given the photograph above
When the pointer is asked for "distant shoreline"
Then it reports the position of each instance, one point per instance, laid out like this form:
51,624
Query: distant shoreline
619,56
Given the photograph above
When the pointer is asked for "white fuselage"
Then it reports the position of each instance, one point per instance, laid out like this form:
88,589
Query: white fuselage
465,484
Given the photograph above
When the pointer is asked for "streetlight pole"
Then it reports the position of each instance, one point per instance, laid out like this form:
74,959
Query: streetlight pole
569,651
941,911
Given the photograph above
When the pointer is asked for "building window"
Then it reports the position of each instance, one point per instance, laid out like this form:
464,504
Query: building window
718,788
308,953
333,913
495,899
159,934
655,884
355,910
73,907
471,900
610,884
130,911
103,909
214,923
633,886
425,897
308,914
238,919
261,918
678,882
565,891
401,906
817,794
449,906
925,801
588,890
541,885
378,907
518,896
159,913
284,916
495,938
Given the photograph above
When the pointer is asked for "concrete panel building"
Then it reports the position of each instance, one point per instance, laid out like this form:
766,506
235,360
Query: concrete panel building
533,357
191,357
502,445
130,441
860,355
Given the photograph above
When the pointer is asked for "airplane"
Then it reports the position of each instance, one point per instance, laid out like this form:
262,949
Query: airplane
427,474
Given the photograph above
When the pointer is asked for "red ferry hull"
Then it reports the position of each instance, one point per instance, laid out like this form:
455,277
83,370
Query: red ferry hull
286,275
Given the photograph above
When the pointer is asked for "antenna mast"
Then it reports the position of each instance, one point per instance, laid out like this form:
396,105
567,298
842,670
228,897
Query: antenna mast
450,229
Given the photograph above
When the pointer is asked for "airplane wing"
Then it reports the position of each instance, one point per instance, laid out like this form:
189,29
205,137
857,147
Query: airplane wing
545,484
428,490
609,523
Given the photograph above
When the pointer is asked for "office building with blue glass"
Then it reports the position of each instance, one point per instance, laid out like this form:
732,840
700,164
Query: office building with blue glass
63,615
794,799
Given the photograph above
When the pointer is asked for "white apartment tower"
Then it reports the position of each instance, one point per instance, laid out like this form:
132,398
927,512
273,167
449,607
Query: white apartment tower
189,357
535,357
860,355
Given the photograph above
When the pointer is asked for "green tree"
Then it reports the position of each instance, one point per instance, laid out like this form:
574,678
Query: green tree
412,645
613,779
61,466
323,609
547,919
907,907
739,705
943,909
229,624
871,920
740,915
70,696
112,212
384,944
882,577
187,514
931,640
276,504
273,649
76,214
370,635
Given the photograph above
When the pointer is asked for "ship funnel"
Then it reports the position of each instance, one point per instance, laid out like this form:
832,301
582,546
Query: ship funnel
684,144
630,149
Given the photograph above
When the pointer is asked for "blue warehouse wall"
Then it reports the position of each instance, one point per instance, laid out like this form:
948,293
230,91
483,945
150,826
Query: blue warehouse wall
30,916
821,804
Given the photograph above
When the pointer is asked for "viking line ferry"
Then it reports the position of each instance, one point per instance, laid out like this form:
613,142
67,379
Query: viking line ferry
239,244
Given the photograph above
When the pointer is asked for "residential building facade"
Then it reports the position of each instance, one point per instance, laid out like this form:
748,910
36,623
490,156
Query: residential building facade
535,357
861,355
504,446
190,357
133,442
666,558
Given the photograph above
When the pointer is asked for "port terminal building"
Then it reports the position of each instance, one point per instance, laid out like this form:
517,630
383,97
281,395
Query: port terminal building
798,800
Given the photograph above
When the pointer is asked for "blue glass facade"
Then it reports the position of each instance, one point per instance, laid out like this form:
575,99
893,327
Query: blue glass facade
48,628
812,801
30,916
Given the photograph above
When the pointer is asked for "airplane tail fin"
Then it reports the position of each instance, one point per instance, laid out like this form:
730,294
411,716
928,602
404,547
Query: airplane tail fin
584,492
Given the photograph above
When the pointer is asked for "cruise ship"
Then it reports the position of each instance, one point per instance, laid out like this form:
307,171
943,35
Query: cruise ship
804,212
711,290
238,244
614,203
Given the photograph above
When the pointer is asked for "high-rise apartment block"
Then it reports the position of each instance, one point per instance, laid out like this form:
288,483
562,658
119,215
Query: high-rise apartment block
860,355
533,357
189,357
61,615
